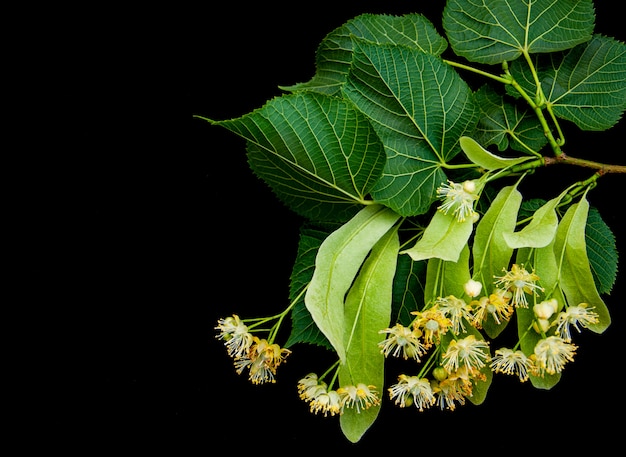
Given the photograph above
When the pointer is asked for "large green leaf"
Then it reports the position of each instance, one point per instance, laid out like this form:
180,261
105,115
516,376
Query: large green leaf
367,311
587,87
602,251
420,107
494,31
583,85
303,328
334,54
408,289
319,154
337,263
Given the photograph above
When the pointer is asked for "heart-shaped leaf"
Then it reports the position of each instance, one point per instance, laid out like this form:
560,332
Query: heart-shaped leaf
420,107
495,31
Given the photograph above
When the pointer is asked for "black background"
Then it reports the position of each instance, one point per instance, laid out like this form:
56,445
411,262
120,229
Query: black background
177,233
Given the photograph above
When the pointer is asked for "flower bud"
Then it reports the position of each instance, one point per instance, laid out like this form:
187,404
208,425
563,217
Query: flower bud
545,309
541,325
469,186
440,373
472,288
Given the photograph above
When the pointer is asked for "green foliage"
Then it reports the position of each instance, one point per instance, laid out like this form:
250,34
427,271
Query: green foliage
575,275
368,309
384,145
499,31
334,54
337,263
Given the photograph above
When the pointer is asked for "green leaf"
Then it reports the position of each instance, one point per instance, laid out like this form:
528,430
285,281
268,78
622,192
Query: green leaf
338,260
318,154
303,328
602,251
444,238
491,32
334,54
587,87
408,289
576,278
583,85
483,158
367,311
420,107
505,125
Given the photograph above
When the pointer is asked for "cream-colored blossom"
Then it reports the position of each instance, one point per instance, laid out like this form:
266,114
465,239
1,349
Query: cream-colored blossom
359,397
262,361
412,390
552,353
459,198
519,282
456,309
327,402
433,323
449,392
512,362
574,316
497,305
235,334
467,352
402,340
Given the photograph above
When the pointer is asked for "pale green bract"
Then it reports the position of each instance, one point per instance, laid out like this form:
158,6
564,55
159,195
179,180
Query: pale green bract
483,158
336,265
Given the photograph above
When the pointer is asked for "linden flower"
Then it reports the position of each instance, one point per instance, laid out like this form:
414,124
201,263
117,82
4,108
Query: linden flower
412,390
402,340
262,360
327,403
456,309
432,323
573,316
449,391
520,282
235,334
511,362
552,353
466,352
359,397
310,387
496,305
459,198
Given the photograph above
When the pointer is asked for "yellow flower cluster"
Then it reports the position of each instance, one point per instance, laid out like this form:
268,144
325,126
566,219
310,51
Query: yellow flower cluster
460,360
327,401
259,356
